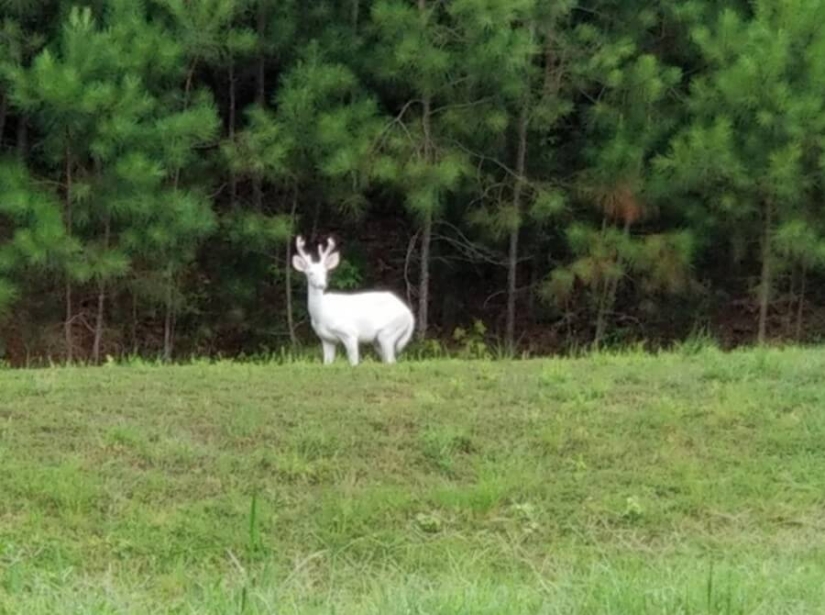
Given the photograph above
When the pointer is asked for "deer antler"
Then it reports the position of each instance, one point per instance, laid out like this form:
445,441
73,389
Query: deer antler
300,246
324,252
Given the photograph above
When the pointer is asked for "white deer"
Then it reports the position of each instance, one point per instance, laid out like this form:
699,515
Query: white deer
377,317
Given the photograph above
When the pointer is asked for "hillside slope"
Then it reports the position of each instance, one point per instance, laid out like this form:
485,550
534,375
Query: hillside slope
626,484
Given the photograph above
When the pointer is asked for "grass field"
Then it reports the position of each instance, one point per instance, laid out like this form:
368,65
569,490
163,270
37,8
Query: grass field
680,483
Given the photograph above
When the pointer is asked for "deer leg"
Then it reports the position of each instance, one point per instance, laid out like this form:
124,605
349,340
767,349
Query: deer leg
351,344
379,351
404,336
386,342
329,351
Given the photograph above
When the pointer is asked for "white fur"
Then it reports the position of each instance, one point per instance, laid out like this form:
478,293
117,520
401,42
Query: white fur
379,318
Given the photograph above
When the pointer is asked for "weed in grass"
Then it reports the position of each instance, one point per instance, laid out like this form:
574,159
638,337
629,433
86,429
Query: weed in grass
441,448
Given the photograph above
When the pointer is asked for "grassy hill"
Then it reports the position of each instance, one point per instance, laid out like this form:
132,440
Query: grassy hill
680,483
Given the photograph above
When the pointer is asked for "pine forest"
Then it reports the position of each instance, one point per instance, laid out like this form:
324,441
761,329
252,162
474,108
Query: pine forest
531,176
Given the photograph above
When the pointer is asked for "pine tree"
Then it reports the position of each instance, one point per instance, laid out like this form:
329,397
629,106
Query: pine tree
113,144
34,238
630,117
155,155
275,25
215,33
523,66
432,57
757,117
21,25
316,147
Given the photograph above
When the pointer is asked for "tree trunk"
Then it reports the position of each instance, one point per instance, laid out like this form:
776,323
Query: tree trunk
3,115
531,295
426,231
608,298
260,96
67,325
168,323
258,193
22,137
190,76
290,320
424,282
601,317
792,301
233,180
315,217
101,301
135,343
606,306
169,320
765,281
426,239
356,6
512,272
800,310
512,258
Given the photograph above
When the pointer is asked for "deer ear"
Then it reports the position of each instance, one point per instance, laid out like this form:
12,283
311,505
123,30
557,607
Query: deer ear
299,263
332,261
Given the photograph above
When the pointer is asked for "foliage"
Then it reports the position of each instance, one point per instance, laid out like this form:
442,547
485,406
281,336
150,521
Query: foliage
562,172
35,238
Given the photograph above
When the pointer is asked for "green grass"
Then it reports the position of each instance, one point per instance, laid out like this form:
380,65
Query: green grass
690,483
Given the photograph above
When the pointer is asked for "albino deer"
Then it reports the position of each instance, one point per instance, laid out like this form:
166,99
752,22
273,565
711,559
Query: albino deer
380,318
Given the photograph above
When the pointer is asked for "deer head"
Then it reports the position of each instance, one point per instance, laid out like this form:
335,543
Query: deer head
316,272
